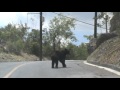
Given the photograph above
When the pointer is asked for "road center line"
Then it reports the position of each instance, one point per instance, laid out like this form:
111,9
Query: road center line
13,70
108,69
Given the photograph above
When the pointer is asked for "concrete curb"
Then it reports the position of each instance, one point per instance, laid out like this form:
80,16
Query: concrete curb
105,65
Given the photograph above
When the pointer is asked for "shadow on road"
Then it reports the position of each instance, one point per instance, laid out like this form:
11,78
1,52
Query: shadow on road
61,67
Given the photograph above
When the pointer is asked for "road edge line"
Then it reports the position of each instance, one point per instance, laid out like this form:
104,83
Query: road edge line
108,69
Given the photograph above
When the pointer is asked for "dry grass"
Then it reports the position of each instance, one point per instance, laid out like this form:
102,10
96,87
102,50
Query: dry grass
11,57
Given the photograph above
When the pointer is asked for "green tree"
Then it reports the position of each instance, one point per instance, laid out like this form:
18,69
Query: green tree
89,37
32,42
60,27
47,47
104,16
115,23
77,52
13,38
82,53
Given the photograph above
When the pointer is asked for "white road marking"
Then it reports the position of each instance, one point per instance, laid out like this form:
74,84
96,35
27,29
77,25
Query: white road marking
14,69
108,69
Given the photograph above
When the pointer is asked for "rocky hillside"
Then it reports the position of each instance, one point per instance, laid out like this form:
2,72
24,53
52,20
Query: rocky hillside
107,53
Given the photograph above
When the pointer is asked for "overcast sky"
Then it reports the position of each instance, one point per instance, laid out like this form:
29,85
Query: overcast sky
32,20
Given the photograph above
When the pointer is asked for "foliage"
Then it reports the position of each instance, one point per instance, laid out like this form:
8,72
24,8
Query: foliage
104,37
89,37
77,52
12,38
17,39
60,28
105,18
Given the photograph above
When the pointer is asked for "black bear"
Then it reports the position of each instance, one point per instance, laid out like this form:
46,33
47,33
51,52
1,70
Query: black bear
59,56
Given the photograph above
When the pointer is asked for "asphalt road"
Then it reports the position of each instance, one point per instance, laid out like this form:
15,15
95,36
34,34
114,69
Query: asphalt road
42,69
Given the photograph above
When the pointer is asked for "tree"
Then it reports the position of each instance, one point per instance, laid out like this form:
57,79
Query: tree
60,27
32,42
12,38
47,48
104,16
77,52
89,37
115,23
82,52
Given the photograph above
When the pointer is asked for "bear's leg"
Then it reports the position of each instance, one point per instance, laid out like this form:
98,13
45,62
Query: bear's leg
52,63
63,62
64,65
56,64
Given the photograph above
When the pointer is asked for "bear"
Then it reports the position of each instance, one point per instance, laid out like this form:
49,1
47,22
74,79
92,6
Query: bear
59,56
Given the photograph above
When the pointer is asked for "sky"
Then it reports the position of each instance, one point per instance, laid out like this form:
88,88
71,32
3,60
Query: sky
32,20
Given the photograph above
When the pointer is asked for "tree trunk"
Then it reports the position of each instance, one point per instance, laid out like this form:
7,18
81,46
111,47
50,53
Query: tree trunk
59,44
54,44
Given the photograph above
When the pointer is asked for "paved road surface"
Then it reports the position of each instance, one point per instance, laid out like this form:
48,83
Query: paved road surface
42,69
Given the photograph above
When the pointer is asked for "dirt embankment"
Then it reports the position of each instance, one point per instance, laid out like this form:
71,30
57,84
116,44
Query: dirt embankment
108,53
4,57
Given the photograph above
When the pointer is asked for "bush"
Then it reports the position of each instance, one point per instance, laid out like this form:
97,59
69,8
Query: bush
35,48
104,37
15,47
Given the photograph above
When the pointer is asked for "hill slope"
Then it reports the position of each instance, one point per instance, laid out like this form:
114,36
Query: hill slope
4,57
107,53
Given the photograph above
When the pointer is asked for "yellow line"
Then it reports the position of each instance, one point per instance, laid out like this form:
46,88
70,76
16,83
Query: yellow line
12,71
108,69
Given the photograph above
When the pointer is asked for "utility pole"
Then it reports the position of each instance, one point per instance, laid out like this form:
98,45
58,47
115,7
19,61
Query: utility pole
40,36
41,20
95,25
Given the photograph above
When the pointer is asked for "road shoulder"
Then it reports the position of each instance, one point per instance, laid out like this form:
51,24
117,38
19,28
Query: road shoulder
109,68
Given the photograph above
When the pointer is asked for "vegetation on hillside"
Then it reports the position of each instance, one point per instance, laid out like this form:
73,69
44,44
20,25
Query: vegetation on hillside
17,40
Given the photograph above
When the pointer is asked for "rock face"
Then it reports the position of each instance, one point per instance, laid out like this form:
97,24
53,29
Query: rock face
107,53
108,45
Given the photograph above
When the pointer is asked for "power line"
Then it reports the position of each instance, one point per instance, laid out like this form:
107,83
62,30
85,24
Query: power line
79,20
75,19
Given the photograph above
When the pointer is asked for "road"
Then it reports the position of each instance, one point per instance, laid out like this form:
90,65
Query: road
42,69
